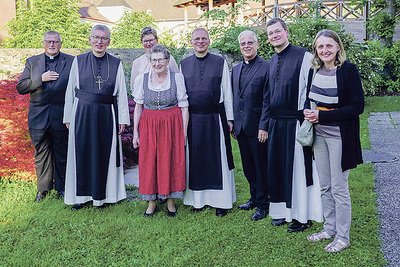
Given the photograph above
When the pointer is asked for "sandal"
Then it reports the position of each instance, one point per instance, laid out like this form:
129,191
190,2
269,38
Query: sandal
319,236
337,245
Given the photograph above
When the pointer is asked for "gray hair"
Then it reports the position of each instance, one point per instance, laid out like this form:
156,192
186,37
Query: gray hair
200,29
160,49
147,31
52,33
250,32
103,28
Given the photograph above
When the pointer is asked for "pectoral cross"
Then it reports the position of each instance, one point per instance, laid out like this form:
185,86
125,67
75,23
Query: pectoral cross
99,81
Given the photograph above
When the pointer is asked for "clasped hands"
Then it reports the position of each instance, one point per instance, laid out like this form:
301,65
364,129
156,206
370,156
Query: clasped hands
311,115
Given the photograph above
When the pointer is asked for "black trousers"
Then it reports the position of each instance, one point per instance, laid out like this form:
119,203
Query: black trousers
254,160
50,157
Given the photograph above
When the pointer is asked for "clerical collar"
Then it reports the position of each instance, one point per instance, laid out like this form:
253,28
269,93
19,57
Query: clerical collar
251,61
284,49
52,57
203,58
99,57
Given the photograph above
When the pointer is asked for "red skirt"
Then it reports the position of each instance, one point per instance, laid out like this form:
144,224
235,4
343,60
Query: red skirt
162,168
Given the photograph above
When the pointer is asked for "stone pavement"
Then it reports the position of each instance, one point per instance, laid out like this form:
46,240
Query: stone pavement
384,134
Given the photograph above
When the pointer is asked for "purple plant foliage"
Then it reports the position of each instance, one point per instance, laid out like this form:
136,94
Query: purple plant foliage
130,154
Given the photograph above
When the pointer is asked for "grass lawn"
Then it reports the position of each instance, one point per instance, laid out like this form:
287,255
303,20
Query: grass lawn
50,234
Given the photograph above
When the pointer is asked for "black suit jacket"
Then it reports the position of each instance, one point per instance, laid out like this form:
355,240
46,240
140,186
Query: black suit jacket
46,105
250,114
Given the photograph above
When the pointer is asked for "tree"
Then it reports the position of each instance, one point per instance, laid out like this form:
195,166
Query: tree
126,33
33,20
382,24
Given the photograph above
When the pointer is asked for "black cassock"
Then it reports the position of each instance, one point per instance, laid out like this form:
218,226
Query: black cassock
94,123
284,110
203,84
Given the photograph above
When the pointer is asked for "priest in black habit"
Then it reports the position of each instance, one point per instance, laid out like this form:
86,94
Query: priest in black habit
96,112
293,183
209,161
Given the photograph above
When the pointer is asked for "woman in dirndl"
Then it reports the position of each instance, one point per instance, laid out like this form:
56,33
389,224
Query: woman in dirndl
160,129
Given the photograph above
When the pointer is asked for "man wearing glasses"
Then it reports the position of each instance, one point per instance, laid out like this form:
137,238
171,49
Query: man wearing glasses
249,84
141,65
45,78
209,161
292,182
96,112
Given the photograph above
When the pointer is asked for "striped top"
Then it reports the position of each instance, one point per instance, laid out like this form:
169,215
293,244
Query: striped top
325,95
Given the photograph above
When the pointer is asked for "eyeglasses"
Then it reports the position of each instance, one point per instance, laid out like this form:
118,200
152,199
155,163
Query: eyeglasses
202,39
51,42
158,60
250,43
149,41
277,32
97,38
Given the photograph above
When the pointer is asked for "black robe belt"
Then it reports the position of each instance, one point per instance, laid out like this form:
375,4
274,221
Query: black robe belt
220,108
103,99
287,114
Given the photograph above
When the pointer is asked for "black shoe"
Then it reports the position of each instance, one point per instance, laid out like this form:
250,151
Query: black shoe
78,206
162,201
297,226
102,207
249,205
171,213
60,195
278,222
197,210
150,214
220,212
40,196
259,214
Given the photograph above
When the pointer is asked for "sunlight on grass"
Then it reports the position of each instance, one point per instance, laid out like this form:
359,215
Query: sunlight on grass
50,234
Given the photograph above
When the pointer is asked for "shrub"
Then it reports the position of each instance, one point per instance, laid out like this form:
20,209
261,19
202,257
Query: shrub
130,154
386,79
16,149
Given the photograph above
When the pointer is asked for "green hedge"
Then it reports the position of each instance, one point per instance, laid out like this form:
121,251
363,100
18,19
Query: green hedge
378,65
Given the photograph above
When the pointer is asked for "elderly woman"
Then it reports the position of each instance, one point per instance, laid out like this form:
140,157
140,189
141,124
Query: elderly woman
337,91
148,38
160,128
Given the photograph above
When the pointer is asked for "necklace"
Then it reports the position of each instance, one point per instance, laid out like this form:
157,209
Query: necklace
99,79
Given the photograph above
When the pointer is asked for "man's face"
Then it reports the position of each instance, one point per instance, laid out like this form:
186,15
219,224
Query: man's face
200,41
51,44
248,46
277,36
149,41
99,40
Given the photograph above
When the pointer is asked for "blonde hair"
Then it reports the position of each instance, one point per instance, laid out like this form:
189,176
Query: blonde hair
340,55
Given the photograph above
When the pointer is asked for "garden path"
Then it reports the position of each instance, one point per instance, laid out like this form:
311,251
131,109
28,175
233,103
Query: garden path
384,134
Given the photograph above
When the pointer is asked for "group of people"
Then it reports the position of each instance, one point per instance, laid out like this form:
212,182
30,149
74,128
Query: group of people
183,122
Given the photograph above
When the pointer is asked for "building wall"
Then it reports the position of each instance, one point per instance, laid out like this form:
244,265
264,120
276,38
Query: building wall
112,13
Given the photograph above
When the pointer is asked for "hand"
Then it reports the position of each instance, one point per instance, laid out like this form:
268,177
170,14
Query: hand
311,115
231,129
135,141
67,125
121,128
262,136
49,76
